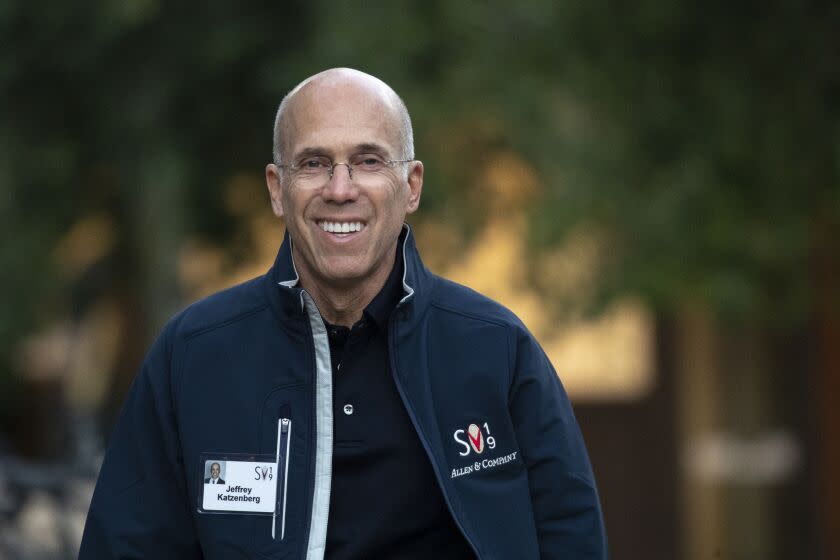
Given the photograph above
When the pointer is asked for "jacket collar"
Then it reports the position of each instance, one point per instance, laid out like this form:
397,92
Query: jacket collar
383,304
416,280
284,272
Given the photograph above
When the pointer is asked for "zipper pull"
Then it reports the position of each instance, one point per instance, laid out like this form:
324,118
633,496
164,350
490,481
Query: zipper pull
282,433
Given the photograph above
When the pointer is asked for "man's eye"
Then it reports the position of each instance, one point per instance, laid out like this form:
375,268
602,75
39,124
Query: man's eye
313,164
368,161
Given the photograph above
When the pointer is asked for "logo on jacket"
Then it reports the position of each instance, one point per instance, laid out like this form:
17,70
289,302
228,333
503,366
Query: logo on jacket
475,439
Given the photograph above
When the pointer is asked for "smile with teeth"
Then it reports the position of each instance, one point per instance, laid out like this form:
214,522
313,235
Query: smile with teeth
340,227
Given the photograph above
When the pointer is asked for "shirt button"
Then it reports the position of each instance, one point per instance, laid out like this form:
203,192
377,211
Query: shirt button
348,409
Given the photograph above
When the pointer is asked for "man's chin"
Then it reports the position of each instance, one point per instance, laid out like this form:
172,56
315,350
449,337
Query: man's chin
344,278
344,267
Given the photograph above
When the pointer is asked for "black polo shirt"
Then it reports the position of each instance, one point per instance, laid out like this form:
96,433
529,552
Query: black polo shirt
385,501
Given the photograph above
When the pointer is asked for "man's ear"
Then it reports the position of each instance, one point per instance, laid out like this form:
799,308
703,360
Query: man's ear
272,181
415,186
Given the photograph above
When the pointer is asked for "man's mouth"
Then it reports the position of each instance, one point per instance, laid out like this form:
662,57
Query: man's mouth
340,227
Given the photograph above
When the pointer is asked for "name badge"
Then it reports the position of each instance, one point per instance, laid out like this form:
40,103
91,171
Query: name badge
248,484
240,486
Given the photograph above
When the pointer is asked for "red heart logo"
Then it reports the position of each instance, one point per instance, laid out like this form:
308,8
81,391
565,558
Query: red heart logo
476,438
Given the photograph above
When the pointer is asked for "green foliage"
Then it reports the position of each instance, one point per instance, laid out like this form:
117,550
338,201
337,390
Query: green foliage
701,139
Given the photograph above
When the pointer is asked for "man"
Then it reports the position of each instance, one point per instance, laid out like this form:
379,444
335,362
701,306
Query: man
409,417
215,471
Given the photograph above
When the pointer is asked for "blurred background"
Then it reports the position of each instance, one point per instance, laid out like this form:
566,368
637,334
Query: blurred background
653,187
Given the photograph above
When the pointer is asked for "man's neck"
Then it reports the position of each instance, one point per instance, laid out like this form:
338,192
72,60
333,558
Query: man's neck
344,305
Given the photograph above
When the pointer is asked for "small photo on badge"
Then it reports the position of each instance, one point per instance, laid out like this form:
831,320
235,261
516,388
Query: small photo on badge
214,472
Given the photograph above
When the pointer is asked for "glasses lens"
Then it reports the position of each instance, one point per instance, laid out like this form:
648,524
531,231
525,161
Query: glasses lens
313,169
367,164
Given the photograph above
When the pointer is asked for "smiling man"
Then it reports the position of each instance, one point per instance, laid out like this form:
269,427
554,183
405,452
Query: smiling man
350,180
215,471
371,409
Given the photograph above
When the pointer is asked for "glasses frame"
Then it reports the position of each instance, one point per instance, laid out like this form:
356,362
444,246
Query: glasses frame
331,170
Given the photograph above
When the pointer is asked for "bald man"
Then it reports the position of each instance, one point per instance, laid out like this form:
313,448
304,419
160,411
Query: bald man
370,408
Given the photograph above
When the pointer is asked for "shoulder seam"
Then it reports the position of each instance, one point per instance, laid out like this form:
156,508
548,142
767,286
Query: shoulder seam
225,322
470,315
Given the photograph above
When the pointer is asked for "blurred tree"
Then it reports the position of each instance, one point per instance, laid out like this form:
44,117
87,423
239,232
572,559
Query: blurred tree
132,114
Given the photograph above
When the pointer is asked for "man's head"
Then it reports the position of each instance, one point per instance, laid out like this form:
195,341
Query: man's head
406,130
343,115
215,470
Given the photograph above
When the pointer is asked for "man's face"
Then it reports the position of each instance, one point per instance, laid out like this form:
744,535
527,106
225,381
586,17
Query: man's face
215,469
340,122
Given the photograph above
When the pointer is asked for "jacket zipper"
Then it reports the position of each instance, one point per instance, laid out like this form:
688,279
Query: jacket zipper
284,427
284,443
311,461
394,374
315,421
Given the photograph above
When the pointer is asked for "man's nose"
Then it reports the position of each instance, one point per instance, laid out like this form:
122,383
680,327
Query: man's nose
340,187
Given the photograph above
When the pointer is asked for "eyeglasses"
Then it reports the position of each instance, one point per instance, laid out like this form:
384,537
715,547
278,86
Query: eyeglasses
318,170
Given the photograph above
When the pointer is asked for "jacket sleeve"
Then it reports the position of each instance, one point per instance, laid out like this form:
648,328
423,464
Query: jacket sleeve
565,500
140,507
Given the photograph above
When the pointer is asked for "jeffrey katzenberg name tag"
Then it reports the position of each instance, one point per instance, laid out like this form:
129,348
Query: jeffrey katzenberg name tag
231,484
